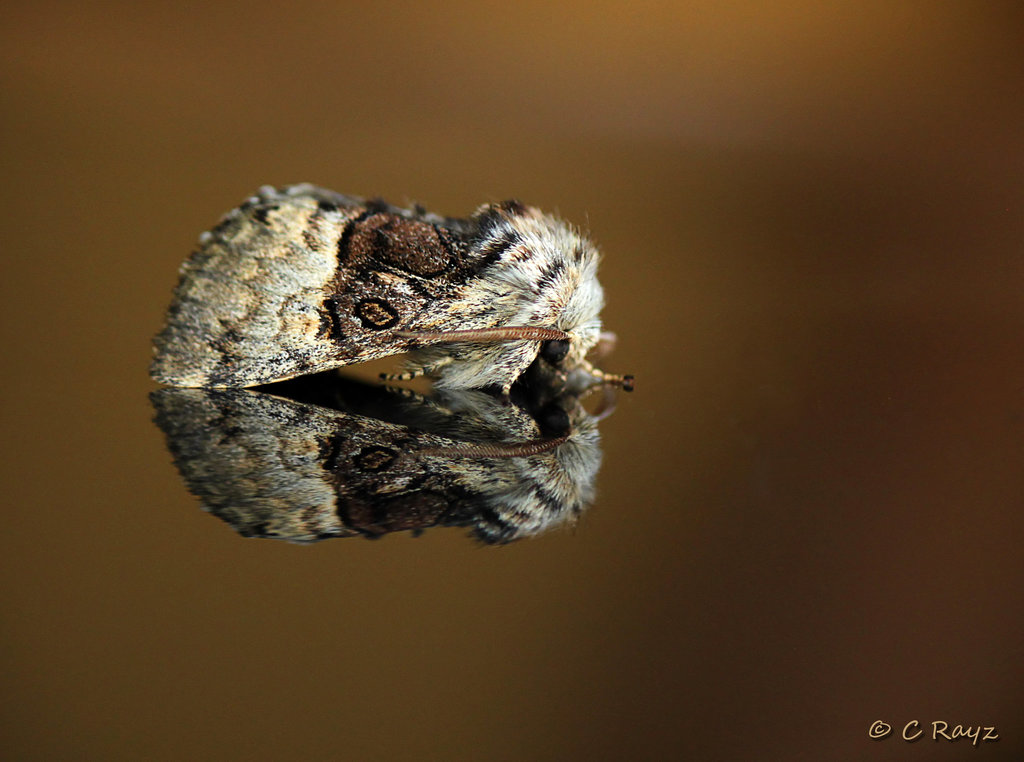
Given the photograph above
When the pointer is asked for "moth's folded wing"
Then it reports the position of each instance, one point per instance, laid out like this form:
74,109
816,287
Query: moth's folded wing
253,303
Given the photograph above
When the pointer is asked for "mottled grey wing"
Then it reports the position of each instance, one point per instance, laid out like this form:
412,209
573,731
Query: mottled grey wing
301,280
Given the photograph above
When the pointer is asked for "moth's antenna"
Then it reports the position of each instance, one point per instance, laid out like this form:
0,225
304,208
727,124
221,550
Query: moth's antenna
496,449
626,383
505,333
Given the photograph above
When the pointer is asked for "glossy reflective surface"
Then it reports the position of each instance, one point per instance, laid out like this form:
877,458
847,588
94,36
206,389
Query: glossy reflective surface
808,516
365,460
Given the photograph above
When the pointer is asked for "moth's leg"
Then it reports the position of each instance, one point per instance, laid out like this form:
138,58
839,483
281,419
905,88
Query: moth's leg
623,382
408,375
416,371
606,342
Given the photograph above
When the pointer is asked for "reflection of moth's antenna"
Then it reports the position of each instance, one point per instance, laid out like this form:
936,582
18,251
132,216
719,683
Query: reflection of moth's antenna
507,333
496,449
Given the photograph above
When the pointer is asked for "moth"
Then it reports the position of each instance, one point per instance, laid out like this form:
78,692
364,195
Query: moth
301,279
367,461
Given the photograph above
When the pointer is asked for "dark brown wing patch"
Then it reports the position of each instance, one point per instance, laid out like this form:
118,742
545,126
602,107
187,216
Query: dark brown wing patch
388,241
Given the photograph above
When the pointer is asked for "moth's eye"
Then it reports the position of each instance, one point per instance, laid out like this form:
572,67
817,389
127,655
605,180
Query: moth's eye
554,350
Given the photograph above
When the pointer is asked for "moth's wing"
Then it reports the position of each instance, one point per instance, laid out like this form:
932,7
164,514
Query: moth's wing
301,280
247,309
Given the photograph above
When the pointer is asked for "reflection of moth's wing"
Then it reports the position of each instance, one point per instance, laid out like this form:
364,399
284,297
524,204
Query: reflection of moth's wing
266,465
235,455
273,467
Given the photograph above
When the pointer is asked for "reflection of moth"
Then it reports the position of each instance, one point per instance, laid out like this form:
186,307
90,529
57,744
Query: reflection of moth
302,280
276,467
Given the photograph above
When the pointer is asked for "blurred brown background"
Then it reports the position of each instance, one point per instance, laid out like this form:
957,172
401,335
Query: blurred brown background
810,513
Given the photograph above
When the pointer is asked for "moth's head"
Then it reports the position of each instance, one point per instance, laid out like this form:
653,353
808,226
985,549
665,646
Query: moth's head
577,299
540,302
571,352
